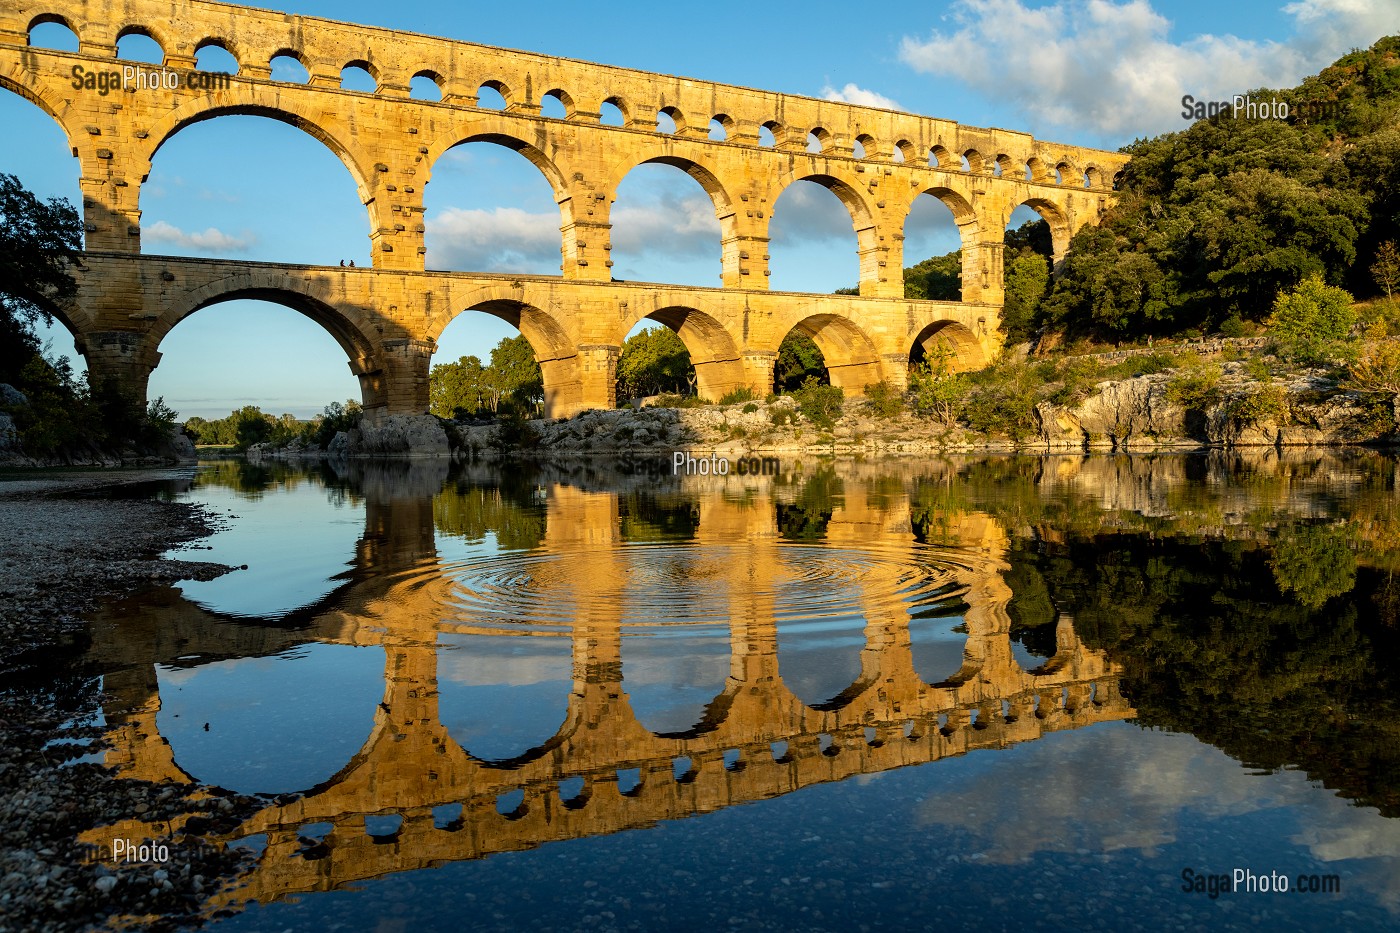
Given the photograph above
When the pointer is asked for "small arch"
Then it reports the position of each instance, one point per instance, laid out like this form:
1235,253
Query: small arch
721,125
426,85
614,112
1118,178
359,75
1093,177
974,162
1067,174
670,121
852,361
1003,167
865,146
768,134
941,157
556,104
818,138
1040,171
1054,215
214,55
139,44
52,31
904,151
949,339
286,65
492,95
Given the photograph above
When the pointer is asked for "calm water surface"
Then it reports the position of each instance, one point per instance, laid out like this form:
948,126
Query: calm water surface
997,693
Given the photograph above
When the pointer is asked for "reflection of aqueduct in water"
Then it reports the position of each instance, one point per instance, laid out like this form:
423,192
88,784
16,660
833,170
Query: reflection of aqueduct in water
758,740
388,318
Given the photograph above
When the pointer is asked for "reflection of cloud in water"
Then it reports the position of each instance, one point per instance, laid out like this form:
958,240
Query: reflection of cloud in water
1124,788
670,679
500,696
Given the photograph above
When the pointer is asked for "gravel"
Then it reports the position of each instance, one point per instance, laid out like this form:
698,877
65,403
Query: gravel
67,541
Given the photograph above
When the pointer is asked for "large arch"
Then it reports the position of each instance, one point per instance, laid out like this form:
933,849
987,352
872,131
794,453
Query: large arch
714,352
951,340
625,252
862,217
852,359
38,96
1061,228
963,216
290,291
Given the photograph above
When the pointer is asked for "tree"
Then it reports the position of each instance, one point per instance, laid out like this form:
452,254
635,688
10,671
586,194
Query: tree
1027,278
654,361
39,240
458,389
1312,322
1386,269
799,359
515,374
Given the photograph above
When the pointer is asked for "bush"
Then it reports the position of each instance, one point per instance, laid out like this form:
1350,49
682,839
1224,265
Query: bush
781,416
1266,404
1311,323
1196,385
742,394
885,400
1002,401
938,393
750,408
1377,369
1077,377
820,404
1234,326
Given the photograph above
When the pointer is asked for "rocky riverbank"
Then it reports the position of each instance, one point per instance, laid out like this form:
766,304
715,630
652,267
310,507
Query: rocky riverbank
69,540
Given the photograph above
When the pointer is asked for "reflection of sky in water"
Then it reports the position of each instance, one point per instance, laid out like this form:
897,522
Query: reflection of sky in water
501,695
276,724
1086,829
671,675
936,648
293,541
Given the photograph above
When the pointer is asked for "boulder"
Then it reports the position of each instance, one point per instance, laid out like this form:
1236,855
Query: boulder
399,436
10,397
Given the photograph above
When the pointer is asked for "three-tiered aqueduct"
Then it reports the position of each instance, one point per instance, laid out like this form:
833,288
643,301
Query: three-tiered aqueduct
388,317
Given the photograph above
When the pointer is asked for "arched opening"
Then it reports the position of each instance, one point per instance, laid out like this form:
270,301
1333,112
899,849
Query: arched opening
205,197
613,112
1028,259
940,157
705,364
1093,177
768,133
812,236
1003,166
491,207
1067,174
221,718
492,95
864,145
136,44
51,31
955,347
904,151
556,105
502,696
426,85
847,354
665,225
669,121
675,675
213,56
1055,220
359,76
1039,171
939,225
287,66
301,347
499,356
720,127
818,139
973,162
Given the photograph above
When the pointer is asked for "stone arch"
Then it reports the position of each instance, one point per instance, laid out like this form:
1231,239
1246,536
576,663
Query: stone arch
566,101
963,215
1041,173
1069,174
1054,215
200,109
726,124
500,87
215,42
852,359
823,138
904,151
136,29
775,129
964,351
290,291
434,77
23,85
713,350
1003,167
502,135
1093,177
296,56
677,118
869,147
622,107
707,179
44,19
942,157
862,217
365,65
977,164
555,350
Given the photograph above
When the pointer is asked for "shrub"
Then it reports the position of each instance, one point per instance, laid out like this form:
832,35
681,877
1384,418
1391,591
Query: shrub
885,400
781,416
1311,323
1196,385
1261,405
1002,401
1234,326
820,404
1377,369
750,408
938,393
741,394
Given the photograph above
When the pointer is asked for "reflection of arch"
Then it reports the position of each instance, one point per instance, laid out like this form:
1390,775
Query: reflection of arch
852,361
713,350
961,344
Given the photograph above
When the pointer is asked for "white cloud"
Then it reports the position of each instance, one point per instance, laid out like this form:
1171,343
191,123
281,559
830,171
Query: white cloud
807,212
1112,67
212,240
852,94
504,239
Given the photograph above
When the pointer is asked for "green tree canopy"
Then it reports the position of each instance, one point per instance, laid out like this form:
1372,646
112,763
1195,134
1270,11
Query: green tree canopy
654,361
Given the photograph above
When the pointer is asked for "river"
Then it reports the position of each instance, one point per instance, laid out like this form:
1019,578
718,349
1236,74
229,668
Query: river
1006,692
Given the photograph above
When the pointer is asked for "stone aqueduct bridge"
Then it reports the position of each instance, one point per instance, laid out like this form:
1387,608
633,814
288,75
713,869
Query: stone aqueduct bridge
757,739
388,318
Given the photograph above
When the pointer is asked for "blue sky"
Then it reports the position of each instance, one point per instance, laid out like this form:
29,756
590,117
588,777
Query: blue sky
1093,72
